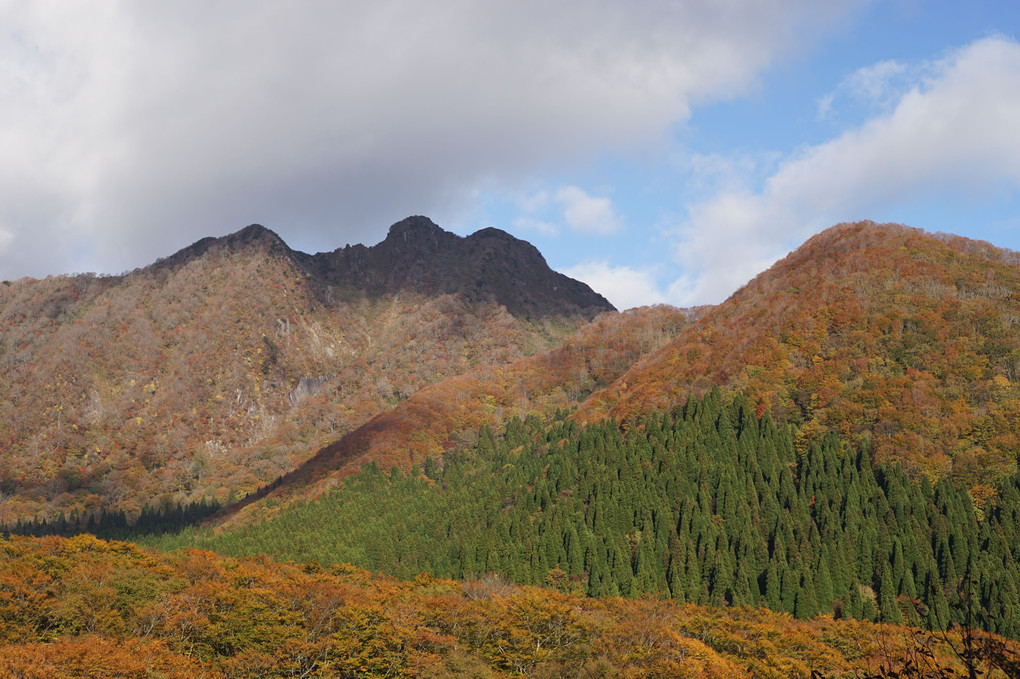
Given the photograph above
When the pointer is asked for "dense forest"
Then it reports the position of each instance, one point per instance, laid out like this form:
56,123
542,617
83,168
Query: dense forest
710,504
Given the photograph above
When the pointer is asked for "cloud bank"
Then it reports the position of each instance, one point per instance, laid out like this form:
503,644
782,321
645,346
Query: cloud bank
952,132
131,129
625,287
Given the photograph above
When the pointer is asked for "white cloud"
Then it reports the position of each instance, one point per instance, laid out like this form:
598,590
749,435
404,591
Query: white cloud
625,287
878,85
533,202
129,129
587,214
714,170
953,132
536,225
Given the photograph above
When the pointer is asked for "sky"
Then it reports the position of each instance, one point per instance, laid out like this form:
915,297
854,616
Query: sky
661,151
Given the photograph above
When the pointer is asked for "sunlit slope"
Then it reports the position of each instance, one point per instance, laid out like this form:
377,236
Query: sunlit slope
908,339
232,361
82,607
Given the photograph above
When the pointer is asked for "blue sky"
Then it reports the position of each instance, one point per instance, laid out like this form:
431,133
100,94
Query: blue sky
857,75
664,152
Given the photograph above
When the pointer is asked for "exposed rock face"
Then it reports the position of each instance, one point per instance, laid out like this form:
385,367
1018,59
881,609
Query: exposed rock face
487,265
306,387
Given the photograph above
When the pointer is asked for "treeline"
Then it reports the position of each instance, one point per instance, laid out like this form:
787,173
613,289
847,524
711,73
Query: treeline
115,524
708,504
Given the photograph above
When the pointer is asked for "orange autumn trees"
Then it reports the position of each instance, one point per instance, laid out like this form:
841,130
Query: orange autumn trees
882,331
231,362
196,614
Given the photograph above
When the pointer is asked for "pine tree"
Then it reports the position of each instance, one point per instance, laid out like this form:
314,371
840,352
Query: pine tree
742,590
790,586
823,586
806,604
773,587
888,609
853,602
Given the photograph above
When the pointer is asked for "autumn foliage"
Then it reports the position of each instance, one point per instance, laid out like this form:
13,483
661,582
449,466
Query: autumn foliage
447,416
228,364
83,607
881,331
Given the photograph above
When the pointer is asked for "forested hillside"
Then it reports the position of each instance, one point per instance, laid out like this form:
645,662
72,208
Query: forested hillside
909,339
906,339
709,504
446,417
218,369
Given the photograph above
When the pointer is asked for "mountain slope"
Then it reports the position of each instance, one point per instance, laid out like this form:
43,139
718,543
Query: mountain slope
884,332
446,416
706,504
227,364
909,340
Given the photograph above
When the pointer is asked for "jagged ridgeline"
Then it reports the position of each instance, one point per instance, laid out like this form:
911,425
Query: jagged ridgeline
708,504
233,361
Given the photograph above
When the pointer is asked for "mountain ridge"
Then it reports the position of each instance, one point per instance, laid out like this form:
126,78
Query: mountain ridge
848,333
224,365
418,255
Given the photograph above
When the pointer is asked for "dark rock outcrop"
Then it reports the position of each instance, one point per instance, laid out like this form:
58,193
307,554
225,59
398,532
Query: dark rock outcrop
490,264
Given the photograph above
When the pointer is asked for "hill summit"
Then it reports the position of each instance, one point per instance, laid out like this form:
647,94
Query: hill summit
905,338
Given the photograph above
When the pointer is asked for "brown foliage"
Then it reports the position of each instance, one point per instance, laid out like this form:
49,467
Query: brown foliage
179,381
197,614
880,331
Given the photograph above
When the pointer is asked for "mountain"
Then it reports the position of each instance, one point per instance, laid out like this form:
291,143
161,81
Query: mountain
833,446
884,333
908,340
221,367
836,439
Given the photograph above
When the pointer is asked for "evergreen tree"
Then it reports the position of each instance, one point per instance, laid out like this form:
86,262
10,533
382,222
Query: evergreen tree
823,587
806,604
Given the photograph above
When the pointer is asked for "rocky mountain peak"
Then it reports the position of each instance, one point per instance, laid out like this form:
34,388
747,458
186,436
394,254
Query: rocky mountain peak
416,225
253,237
419,256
